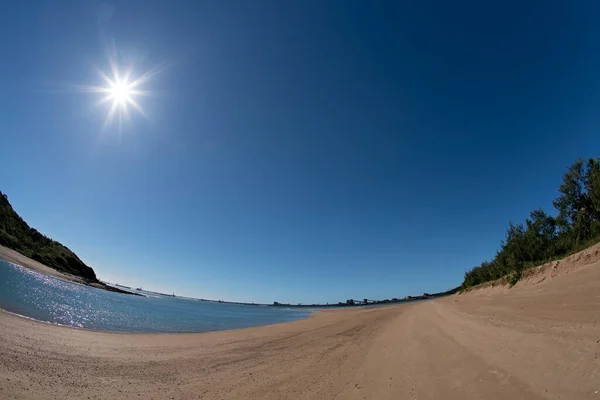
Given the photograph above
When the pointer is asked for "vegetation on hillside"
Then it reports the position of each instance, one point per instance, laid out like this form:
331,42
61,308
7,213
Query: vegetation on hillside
544,237
17,235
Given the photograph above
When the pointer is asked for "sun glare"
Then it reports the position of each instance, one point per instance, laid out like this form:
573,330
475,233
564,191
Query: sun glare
121,92
121,89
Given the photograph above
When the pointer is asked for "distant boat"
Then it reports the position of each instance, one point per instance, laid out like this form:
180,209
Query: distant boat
139,288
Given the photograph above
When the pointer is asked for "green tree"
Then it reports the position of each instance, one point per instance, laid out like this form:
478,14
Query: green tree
540,236
573,196
593,186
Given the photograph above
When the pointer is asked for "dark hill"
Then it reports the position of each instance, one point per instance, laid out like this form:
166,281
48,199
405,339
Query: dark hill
17,235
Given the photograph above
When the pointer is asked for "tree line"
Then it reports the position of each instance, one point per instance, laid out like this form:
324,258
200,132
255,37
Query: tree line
543,237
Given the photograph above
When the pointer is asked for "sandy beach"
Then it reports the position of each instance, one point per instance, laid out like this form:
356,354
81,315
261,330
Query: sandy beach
538,340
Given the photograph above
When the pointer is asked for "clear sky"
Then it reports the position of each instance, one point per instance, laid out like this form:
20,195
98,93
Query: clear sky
295,151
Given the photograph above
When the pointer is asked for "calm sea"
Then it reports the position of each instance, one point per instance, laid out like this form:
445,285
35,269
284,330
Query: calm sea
44,298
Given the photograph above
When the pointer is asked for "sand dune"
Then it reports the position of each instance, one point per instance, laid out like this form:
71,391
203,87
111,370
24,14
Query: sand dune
538,340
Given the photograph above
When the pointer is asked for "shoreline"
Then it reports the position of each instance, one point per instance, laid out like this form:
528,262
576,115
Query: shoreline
102,331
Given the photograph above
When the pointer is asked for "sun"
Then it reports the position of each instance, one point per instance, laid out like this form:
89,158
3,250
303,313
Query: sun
121,93
121,89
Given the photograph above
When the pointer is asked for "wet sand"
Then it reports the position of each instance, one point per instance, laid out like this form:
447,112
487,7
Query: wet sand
538,340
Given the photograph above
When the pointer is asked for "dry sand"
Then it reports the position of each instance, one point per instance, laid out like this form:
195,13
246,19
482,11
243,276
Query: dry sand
538,340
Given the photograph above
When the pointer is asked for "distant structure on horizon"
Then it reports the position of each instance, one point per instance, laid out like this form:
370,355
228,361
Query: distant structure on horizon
365,302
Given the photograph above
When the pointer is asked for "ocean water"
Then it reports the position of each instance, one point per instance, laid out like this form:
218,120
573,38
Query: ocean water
45,298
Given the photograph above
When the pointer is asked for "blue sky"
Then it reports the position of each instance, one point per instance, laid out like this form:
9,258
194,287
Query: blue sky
303,151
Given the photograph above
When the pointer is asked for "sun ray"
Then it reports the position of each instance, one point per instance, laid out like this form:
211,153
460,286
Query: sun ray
150,74
103,100
139,109
125,112
109,117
